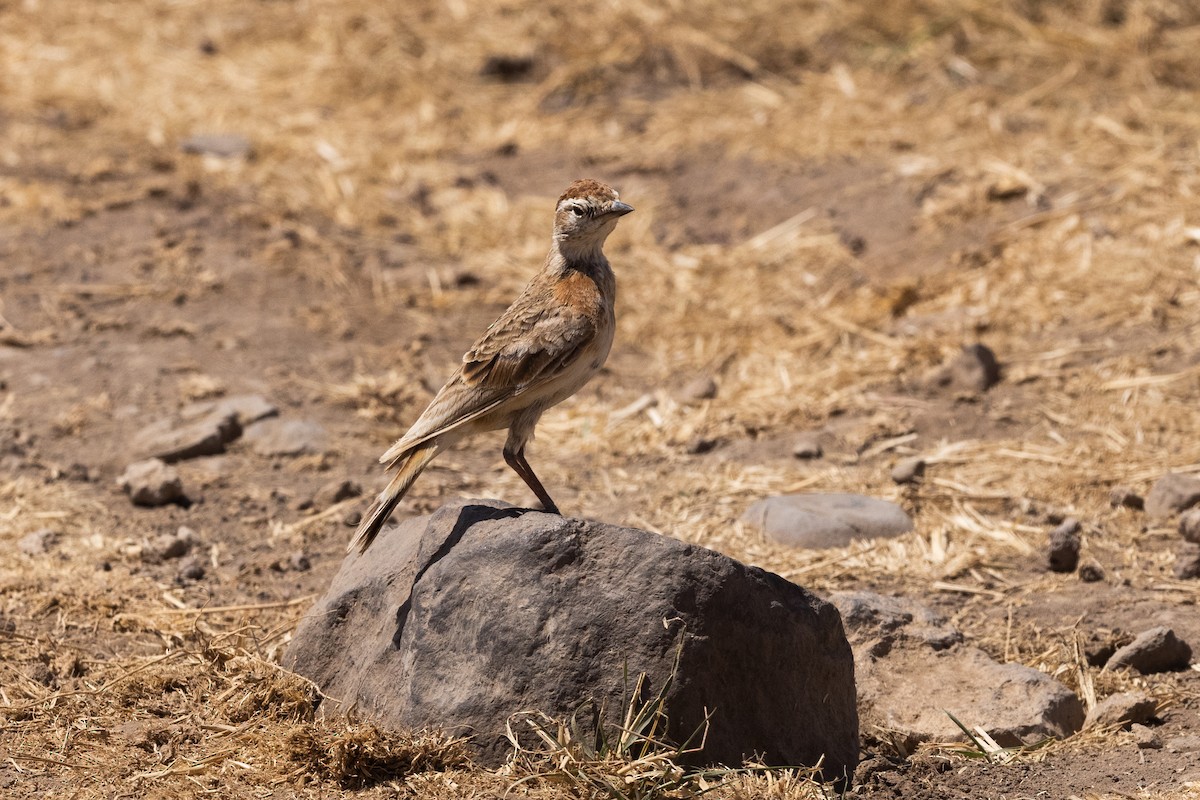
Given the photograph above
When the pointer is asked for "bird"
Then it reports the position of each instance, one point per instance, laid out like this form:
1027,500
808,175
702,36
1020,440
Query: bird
545,346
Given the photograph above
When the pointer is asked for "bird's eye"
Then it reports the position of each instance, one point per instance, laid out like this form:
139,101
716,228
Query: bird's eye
577,211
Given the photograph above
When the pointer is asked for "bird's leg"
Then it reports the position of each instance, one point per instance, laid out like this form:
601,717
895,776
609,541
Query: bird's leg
516,459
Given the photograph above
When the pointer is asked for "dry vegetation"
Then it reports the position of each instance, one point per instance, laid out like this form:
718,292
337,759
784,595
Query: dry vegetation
1051,151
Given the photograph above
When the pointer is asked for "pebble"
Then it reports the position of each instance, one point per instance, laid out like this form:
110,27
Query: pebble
909,470
286,437
151,483
175,439
1124,497
701,388
171,545
826,520
1063,550
1090,571
1187,562
1155,650
39,542
335,492
808,446
1189,525
1171,493
975,369
699,445
221,145
1145,738
192,570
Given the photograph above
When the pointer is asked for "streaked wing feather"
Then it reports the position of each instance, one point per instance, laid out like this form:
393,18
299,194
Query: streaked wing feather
519,352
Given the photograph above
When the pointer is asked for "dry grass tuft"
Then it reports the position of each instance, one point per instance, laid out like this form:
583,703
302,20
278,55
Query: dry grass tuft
356,756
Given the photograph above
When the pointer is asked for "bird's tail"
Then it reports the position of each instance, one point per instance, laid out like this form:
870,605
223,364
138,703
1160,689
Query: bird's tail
385,503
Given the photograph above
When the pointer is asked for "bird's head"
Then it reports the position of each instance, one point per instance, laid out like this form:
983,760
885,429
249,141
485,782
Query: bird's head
587,213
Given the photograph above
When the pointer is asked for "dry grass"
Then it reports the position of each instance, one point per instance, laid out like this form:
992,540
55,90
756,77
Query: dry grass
368,122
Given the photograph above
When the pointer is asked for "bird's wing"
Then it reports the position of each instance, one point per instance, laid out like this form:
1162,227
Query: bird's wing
520,352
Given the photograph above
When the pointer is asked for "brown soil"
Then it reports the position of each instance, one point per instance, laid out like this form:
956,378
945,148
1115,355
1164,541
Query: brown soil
831,202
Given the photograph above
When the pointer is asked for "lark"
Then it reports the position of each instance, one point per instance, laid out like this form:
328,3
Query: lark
550,342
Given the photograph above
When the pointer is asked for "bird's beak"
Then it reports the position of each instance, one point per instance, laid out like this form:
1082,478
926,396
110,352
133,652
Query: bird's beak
620,209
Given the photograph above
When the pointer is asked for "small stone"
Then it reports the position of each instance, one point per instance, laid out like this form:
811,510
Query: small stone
1189,525
192,570
826,520
698,445
701,388
352,519
975,370
299,562
1171,493
221,145
1187,562
172,440
808,446
151,483
1007,187
1155,650
507,68
286,437
39,542
908,470
172,545
1122,710
335,492
1090,571
1188,743
1124,497
1063,550
247,409
1145,738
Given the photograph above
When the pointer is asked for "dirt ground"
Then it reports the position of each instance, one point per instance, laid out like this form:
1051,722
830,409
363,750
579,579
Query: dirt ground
832,199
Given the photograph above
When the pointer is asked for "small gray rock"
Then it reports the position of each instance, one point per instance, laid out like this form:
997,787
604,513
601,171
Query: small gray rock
808,446
170,546
1145,738
701,388
975,370
1188,743
909,470
192,570
1063,550
699,445
286,437
222,145
1090,571
826,520
335,492
299,562
247,409
1189,525
1187,562
151,483
1171,493
39,542
1122,710
1124,497
1155,650
176,439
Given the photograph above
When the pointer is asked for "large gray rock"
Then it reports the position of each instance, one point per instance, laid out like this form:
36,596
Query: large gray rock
460,620
1171,493
286,437
911,669
826,520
